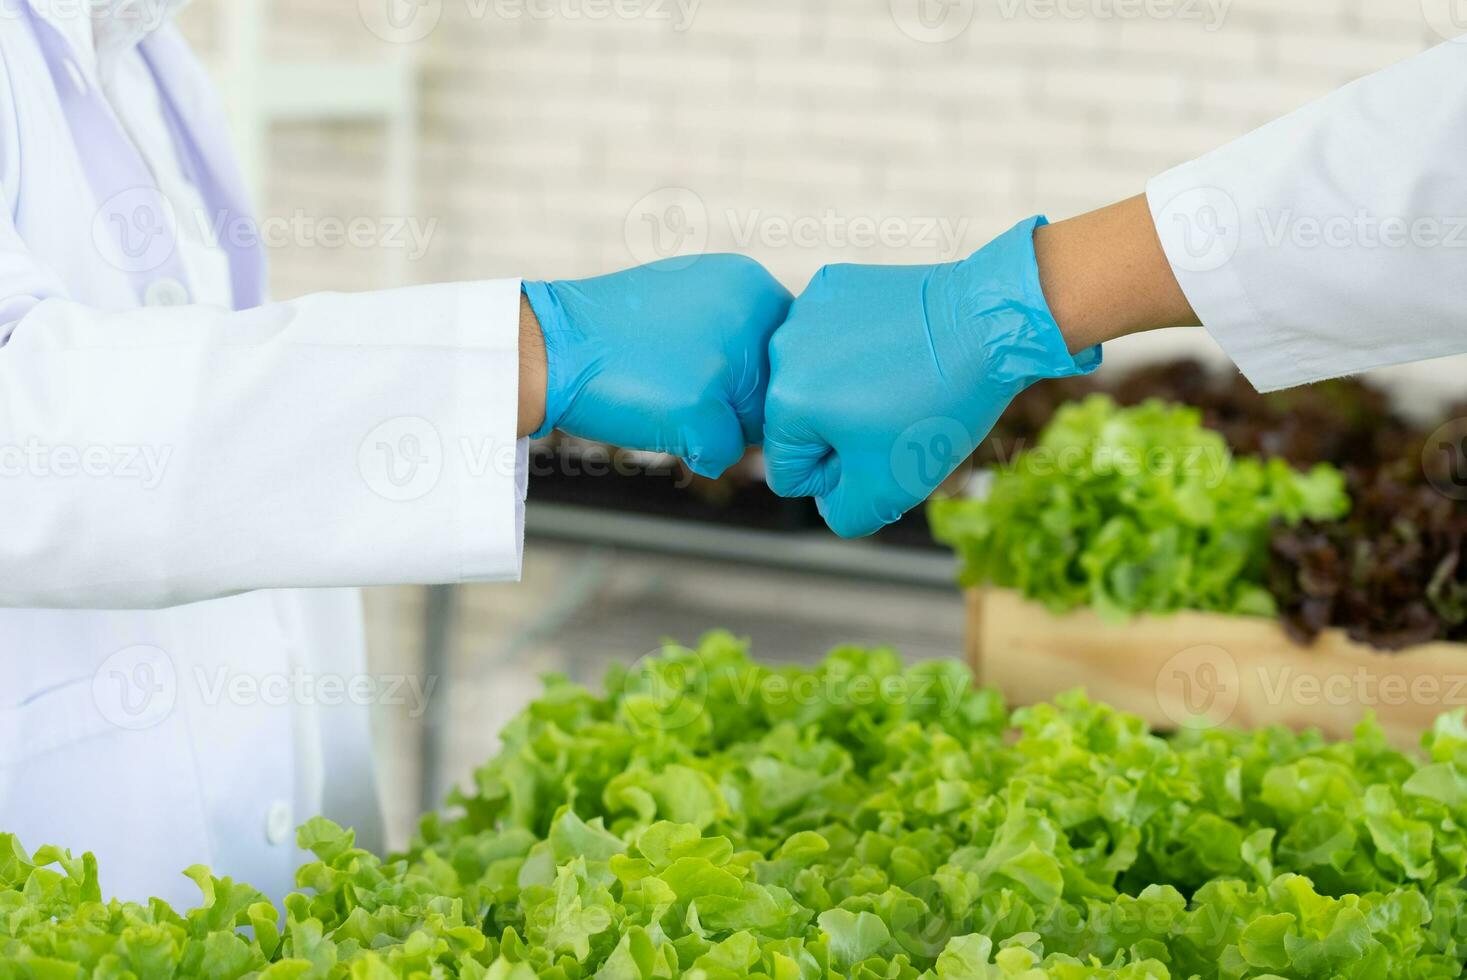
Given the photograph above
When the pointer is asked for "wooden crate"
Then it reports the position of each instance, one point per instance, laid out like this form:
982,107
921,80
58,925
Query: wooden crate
1204,670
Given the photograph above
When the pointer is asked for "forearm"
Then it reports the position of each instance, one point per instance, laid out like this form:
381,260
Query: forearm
202,459
1105,275
533,371
1331,241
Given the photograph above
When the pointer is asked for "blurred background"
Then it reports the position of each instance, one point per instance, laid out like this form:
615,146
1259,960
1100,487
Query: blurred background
404,141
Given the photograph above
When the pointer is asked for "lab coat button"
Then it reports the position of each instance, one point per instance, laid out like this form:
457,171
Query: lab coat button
278,822
166,292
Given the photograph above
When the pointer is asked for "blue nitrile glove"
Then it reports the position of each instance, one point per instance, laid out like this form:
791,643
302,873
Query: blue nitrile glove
670,357
885,378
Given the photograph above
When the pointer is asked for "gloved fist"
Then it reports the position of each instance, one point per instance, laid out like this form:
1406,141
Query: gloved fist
885,378
670,357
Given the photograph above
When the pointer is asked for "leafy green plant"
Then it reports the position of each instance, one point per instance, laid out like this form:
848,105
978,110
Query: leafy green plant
1133,510
714,819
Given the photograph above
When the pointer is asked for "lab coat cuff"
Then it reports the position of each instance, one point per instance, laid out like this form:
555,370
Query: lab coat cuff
1202,233
495,461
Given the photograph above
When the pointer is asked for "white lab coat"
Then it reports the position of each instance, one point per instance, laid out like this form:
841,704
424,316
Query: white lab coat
185,489
1333,240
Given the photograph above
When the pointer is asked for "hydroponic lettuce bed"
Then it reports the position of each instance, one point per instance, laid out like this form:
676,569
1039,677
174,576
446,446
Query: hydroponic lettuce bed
711,818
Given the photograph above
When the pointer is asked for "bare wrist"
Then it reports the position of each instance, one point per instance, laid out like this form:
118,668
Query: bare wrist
1105,275
533,371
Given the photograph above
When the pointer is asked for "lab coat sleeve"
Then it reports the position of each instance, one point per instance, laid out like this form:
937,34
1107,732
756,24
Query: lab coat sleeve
1333,240
157,456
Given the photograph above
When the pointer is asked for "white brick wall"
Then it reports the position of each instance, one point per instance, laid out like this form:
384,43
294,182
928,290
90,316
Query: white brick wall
540,134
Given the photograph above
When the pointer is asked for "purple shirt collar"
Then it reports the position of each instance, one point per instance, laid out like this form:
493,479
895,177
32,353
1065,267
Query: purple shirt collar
117,173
